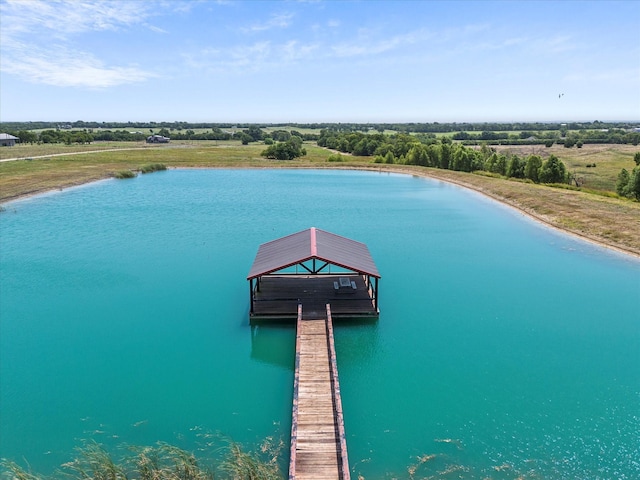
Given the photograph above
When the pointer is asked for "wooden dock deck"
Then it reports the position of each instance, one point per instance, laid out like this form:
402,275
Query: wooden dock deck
318,444
280,295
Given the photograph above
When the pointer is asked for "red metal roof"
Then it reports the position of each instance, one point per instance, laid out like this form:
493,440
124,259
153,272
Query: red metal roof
309,244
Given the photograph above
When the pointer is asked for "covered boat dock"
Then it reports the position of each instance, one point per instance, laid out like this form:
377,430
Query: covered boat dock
313,268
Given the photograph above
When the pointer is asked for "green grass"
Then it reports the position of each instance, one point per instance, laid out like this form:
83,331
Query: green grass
23,177
26,150
152,167
609,160
123,174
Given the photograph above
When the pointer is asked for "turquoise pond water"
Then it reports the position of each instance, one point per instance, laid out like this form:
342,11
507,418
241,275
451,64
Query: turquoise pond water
503,348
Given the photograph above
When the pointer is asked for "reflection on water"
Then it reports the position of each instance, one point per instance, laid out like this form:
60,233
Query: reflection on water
274,343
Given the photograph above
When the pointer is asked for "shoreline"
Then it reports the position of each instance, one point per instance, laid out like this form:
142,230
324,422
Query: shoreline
536,217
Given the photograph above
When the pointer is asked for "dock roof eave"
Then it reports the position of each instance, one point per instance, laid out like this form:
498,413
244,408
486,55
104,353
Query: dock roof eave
312,244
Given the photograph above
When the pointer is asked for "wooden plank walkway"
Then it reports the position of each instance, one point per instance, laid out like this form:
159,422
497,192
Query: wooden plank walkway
318,444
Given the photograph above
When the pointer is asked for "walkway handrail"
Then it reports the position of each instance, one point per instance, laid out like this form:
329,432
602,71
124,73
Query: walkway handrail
337,399
294,414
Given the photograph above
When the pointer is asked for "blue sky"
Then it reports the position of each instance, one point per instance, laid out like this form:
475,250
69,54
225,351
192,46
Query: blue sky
307,61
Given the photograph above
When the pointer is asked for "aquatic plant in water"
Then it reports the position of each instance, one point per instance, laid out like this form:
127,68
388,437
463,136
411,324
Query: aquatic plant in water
160,462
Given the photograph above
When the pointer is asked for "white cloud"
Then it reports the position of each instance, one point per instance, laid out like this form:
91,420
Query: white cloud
282,20
30,26
259,56
365,45
557,44
67,17
63,68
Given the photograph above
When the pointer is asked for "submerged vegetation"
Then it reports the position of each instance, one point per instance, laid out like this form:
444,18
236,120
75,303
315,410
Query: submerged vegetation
161,462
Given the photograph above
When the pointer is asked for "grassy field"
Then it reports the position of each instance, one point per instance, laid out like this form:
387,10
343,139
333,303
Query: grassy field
609,160
611,221
26,150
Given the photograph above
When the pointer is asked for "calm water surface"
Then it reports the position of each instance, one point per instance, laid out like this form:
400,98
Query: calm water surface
503,349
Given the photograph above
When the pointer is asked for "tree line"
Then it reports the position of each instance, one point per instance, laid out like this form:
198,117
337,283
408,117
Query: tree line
410,127
444,153
87,135
548,137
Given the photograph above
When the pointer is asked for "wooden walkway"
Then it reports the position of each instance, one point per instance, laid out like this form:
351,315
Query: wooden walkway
318,444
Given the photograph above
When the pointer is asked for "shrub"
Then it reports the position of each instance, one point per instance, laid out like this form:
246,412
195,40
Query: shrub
122,174
336,157
289,150
152,167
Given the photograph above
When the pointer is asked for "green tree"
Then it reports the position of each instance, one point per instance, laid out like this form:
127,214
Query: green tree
389,158
532,167
280,135
433,155
552,171
288,150
634,184
445,153
515,167
255,133
622,183
244,138
490,163
418,155
501,165
27,136
636,158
